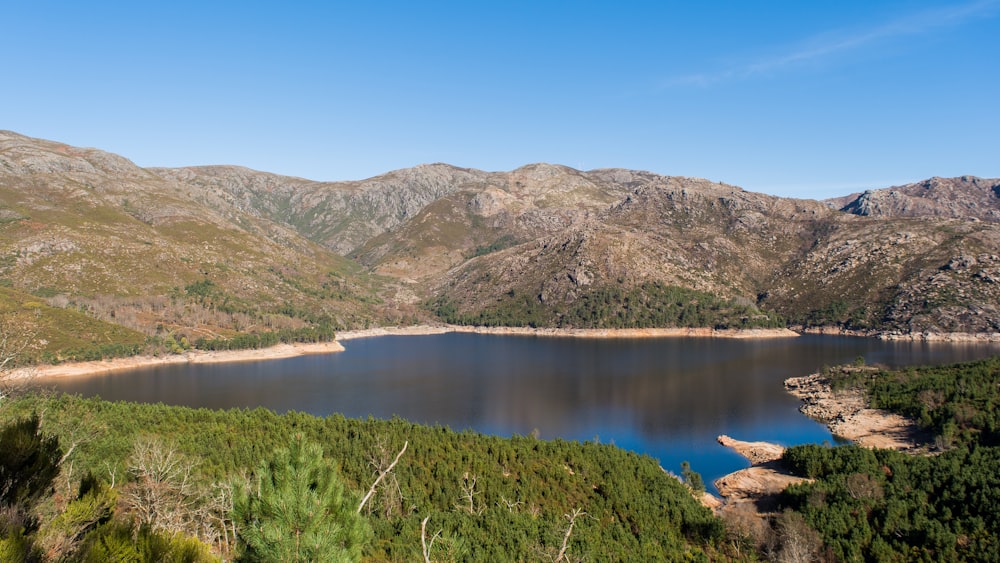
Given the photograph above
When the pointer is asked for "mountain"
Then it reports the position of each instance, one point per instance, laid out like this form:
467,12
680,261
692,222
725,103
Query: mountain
967,197
206,250
90,230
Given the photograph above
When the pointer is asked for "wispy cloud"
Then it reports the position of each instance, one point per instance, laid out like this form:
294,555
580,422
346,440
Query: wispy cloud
827,45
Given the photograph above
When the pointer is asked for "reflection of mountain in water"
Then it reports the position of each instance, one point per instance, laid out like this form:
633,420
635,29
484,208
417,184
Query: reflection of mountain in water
649,389
665,387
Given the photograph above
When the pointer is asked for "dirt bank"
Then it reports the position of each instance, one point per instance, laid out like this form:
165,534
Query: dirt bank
896,335
292,350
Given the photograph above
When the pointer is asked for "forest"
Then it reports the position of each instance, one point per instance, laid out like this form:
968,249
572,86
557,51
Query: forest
882,505
647,305
89,480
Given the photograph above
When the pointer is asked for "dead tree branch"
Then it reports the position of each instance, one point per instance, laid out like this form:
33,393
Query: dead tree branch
569,532
469,492
423,540
381,476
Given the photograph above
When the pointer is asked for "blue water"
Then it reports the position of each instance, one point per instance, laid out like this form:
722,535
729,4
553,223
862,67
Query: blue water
669,398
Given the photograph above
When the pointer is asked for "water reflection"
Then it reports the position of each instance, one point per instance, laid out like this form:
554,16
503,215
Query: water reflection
669,398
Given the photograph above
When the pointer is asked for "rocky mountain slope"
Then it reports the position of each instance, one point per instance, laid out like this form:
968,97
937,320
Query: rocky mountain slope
91,230
967,197
541,244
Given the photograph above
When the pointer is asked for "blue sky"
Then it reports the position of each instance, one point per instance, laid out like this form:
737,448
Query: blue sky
803,99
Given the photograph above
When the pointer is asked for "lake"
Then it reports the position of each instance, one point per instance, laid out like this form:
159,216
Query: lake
666,397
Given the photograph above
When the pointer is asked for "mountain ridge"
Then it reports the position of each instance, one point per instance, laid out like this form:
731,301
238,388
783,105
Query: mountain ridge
88,226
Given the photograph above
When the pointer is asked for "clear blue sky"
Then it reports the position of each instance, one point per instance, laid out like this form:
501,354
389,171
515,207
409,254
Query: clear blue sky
805,99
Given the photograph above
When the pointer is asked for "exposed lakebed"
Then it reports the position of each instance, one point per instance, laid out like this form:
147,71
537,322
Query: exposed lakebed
667,397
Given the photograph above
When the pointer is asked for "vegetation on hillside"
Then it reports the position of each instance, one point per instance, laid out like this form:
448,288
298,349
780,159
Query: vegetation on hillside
882,505
477,497
959,403
648,305
52,335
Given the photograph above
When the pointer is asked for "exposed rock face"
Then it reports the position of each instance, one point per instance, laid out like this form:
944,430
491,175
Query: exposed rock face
959,198
757,453
920,258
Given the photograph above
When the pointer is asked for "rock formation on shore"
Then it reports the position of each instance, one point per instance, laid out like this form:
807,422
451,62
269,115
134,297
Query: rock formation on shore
847,415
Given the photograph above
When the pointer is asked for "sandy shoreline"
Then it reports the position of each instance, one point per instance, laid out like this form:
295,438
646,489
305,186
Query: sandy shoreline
573,332
191,357
281,351
758,485
845,413
291,350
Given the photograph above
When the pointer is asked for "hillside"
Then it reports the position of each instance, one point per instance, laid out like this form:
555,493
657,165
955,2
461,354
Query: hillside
884,505
217,250
486,498
966,197
90,230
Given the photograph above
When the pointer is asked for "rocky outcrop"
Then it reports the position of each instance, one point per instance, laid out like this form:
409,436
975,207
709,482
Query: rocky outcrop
958,198
756,453
847,414
758,486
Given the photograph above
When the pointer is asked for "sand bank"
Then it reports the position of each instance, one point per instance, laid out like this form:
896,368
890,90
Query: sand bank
191,357
291,350
845,413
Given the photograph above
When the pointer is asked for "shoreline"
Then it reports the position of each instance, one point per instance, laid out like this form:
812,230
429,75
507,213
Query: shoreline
847,415
756,487
98,367
749,333
900,336
283,351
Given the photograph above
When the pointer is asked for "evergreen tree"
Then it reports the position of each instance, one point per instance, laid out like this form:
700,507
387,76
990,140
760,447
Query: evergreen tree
692,478
298,509
29,461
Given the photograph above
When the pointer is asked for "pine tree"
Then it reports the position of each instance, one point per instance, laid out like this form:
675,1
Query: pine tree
29,462
692,478
298,509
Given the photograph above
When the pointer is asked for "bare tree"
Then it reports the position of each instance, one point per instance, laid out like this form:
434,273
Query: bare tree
214,518
800,543
382,472
747,530
572,516
469,493
512,506
423,540
162,494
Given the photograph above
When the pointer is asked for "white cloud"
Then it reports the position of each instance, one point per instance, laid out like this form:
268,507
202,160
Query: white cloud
827,45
